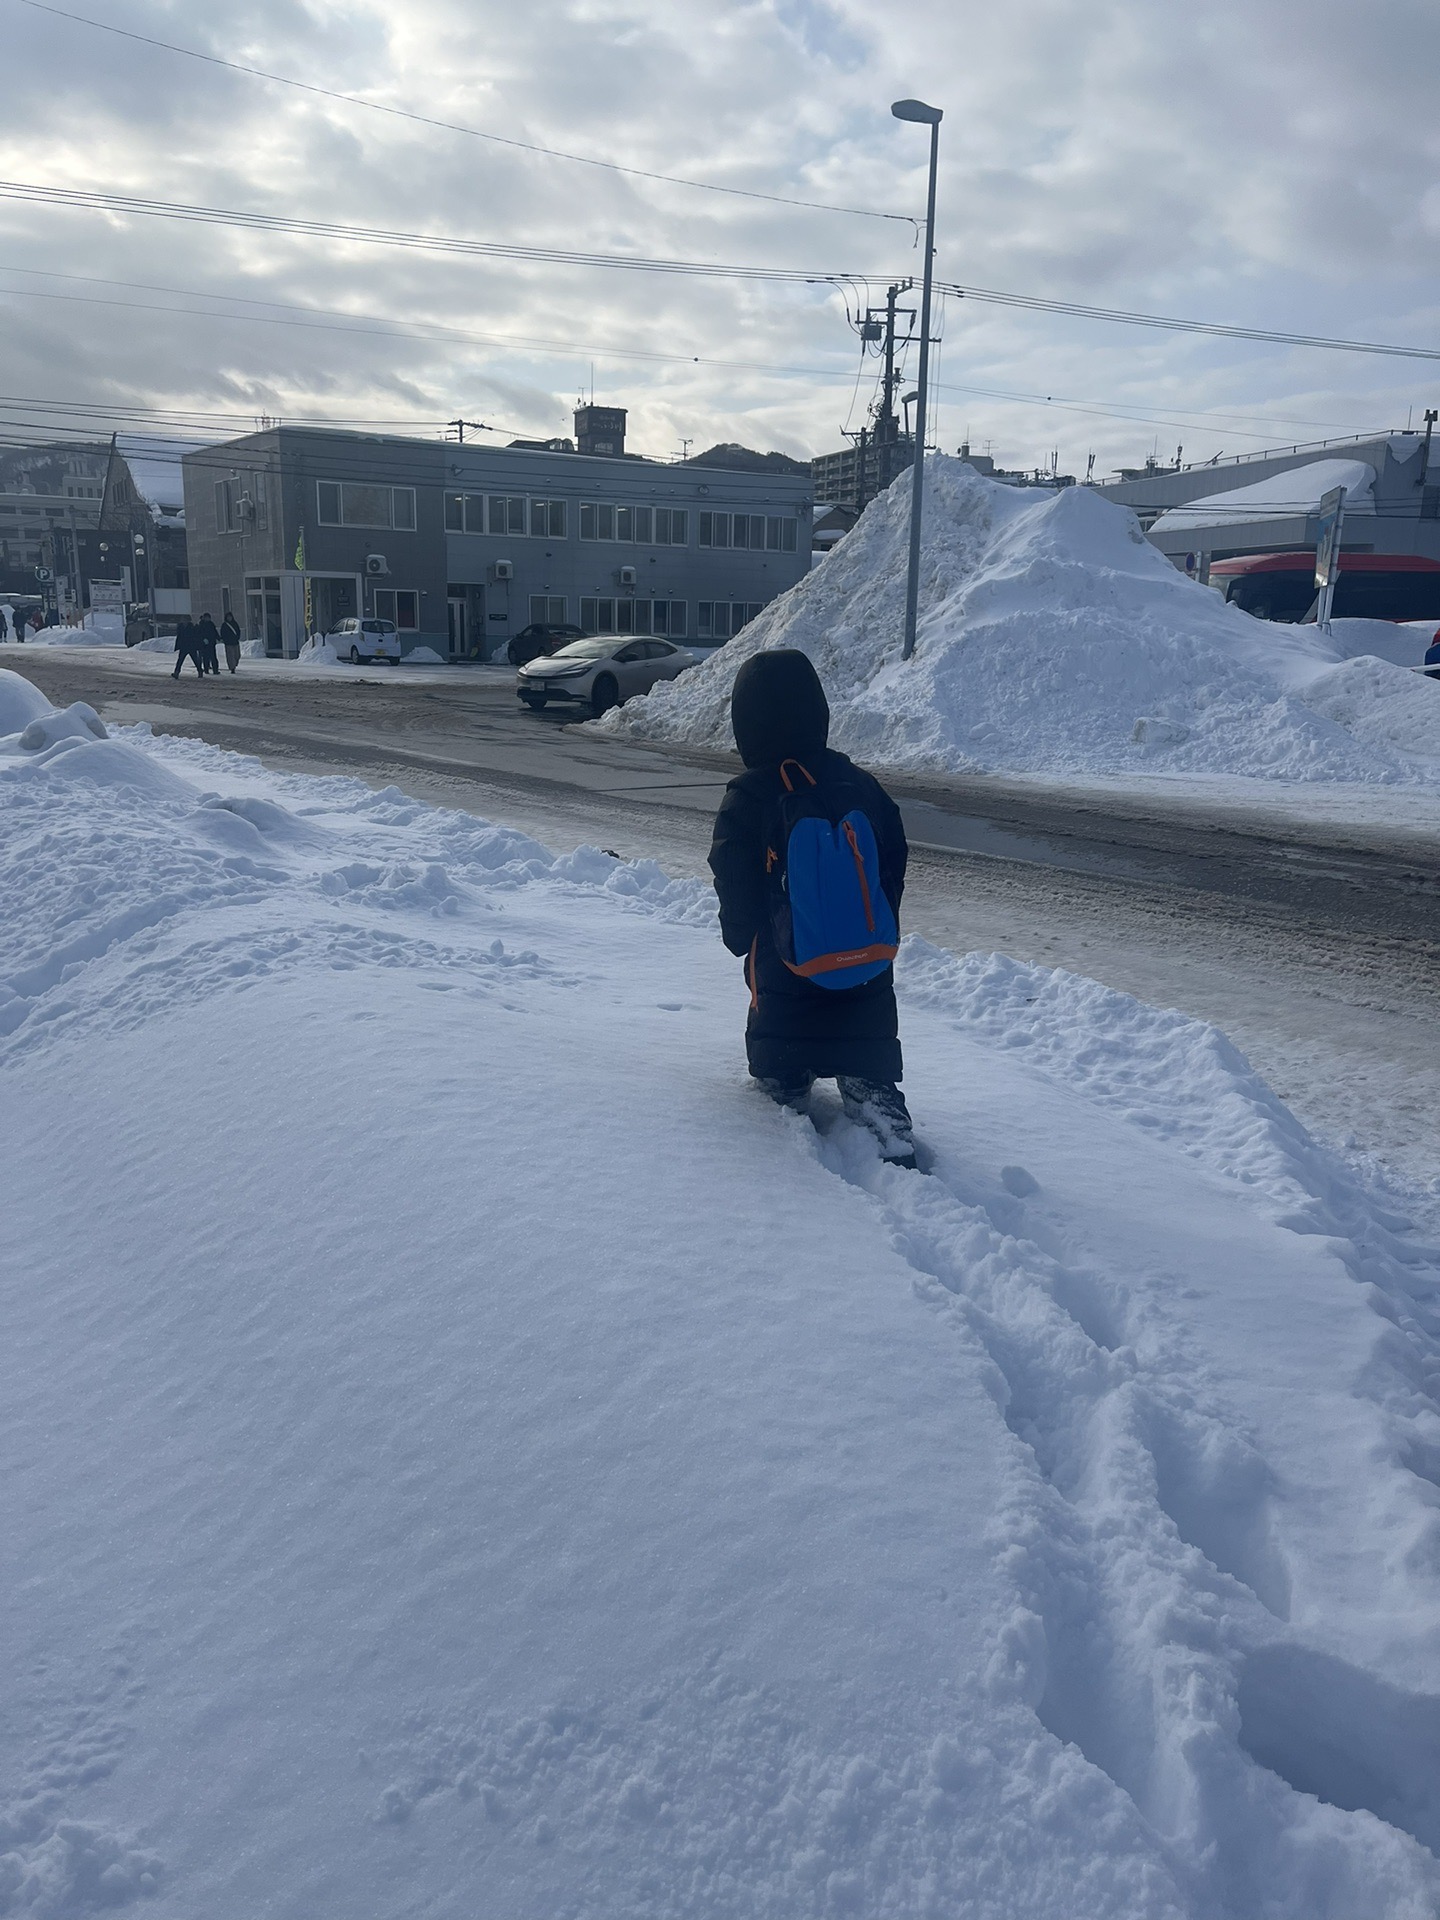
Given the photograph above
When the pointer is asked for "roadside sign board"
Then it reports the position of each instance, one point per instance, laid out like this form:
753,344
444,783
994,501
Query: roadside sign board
1327,545
107,596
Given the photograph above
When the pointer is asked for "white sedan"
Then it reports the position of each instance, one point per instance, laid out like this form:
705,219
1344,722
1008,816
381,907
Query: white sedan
601,671
356,640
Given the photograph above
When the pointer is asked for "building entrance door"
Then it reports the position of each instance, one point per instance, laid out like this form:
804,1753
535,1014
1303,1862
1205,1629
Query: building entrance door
334,597
459,645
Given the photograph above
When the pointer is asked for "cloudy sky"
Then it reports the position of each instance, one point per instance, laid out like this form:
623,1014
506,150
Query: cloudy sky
1262,163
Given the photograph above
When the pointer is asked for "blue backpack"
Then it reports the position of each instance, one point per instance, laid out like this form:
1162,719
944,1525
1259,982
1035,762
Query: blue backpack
832,921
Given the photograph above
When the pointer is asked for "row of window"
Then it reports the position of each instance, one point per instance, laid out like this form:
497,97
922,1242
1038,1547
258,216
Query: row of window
718,619
770,533
506,513
714,619
630,616
645,526
342,503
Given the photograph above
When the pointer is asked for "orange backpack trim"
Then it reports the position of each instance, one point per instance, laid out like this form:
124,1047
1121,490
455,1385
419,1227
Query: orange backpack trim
837,962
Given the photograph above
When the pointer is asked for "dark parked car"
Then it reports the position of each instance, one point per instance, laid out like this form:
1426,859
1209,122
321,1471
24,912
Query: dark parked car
541,637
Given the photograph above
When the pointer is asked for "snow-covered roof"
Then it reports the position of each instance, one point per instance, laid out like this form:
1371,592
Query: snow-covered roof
1284,496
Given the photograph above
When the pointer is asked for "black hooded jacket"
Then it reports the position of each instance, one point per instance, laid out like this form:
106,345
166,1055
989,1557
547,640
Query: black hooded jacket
779,712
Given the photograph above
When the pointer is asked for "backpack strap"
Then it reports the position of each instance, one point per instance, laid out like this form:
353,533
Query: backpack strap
789,783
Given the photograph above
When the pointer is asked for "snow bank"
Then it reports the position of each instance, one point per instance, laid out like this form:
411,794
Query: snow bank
1053,639
469,1453
423,657
21,701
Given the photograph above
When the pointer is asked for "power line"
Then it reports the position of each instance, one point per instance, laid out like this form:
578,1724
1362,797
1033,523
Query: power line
89,199
452,126
94,201
403,330
1073,309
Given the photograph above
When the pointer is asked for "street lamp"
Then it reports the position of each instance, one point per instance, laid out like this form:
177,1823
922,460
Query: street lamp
927,117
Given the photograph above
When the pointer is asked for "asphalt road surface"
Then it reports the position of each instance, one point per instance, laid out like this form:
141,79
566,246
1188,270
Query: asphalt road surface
1316,949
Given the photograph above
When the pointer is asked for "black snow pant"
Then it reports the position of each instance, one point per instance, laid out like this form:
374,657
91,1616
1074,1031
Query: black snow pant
188,653
877,1105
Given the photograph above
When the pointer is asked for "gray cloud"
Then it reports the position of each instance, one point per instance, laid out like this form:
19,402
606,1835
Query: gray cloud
1270,164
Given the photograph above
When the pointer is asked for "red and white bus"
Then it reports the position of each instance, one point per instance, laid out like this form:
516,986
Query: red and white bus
1371,586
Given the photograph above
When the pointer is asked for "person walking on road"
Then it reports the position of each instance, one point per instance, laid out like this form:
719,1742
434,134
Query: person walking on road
809,857
187,647
209,640
230,634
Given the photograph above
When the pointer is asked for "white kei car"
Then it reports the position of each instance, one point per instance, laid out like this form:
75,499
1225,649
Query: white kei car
356,640
601,671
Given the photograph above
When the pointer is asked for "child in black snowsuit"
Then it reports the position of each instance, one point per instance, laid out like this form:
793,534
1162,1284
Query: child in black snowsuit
799,1032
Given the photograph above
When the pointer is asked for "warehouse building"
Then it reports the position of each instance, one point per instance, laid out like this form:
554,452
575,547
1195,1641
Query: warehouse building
296,528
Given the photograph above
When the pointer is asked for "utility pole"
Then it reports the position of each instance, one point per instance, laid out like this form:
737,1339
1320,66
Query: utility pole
886,432
1431,416
931,117
476,426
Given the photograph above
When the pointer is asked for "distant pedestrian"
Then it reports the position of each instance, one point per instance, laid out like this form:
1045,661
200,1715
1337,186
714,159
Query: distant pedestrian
209,638
1432,657
230,634
187,647
37,620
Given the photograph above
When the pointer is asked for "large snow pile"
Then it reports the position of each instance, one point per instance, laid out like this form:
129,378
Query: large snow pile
1052,639
465,1452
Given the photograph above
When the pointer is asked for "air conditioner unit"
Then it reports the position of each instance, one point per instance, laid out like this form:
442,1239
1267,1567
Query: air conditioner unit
376,563
504,569
627,576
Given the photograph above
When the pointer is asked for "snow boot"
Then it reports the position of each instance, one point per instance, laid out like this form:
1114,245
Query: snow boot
880,1108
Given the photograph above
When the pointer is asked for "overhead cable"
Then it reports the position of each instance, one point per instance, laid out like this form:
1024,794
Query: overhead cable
453,126
35,193
1074,309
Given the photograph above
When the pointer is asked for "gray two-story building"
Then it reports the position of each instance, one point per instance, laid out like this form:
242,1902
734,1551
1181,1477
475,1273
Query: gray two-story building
295,528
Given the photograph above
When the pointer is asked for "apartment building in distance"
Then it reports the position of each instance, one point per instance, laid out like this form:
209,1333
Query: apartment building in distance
463,545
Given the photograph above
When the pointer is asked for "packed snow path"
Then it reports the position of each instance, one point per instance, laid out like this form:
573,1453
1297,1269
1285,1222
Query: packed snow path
465,1452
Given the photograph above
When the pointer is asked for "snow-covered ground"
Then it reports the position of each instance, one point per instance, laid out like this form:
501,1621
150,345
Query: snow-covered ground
1053,640
151,658
466,1452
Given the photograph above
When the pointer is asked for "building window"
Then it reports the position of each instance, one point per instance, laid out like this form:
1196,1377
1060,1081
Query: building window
400,604
465,513
756,532
548,609
645,526
719,619
547,519
353,503
624,615
507,514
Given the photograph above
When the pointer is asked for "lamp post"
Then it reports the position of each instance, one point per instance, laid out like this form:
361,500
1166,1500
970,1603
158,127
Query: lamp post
928,117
